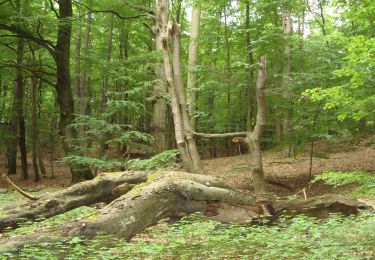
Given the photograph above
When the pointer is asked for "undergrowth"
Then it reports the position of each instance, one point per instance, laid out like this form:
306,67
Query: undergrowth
365,181
195,237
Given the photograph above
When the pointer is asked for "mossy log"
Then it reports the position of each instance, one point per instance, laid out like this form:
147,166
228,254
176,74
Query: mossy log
81,194
169,195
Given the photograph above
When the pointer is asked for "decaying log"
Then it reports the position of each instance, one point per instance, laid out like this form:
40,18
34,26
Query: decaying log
168,195
85,193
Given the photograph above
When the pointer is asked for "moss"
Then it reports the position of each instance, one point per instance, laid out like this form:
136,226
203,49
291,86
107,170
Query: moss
141,185
151,177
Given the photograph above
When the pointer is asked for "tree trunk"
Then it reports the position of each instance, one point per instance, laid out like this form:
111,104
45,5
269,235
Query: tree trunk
12,140
287,93
39,153
85,71
64,90
34,122
250,85
192,63
159,121
103,144
191,144
227,73
77,61
255,136
162,29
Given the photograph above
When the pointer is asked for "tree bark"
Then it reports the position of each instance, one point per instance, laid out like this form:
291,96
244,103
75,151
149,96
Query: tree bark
159,114
192,63
255,136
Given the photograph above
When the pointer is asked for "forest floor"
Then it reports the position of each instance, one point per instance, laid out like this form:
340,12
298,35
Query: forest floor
201,239
342,156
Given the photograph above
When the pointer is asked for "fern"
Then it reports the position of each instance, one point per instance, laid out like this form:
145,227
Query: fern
164,160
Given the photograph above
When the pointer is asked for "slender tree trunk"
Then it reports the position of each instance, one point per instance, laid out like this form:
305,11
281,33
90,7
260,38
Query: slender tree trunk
77,62
103,145
250,85
12,141
192,147
84,81
255,136
39,153
287,93
227,68
192,63
34,124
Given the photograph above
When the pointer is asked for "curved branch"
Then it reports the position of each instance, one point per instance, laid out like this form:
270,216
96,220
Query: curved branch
18,189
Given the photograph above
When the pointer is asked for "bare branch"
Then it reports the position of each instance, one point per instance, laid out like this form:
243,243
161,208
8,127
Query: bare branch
117,14
206,135
18,189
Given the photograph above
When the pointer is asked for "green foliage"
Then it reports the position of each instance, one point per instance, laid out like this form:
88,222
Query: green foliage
164,160
194,237
43,224
92,162
366,181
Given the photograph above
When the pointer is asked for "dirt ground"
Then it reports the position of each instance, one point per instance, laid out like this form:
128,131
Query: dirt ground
235,170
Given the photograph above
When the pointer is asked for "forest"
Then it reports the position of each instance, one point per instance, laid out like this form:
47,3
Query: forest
187,129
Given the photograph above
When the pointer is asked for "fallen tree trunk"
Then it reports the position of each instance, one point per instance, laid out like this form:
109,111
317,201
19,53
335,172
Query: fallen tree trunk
168,195
85,193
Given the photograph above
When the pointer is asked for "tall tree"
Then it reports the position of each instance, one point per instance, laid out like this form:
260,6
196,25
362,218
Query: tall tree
192,64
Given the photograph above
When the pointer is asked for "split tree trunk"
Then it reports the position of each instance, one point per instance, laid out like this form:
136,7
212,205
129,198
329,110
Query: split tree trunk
183,134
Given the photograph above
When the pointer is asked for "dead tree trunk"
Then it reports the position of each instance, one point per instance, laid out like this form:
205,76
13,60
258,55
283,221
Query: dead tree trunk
163,195
183,134
256,135
253,138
